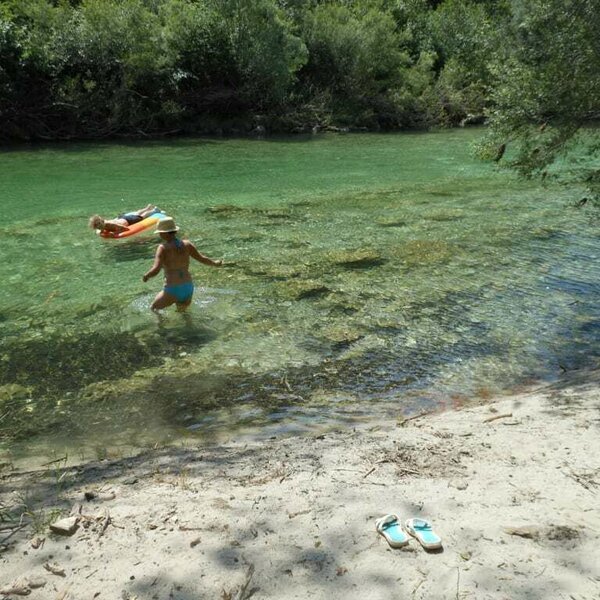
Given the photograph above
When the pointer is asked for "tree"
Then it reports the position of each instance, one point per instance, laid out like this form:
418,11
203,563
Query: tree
466,36
546,93
266,53
355,57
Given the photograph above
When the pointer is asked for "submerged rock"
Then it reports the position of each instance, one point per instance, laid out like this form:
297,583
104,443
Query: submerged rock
15,233
247,236
424,252
321,397
341,335
445,215
224,209
304,288
14,391
391,222
365,345
274,271
356,259
342,303
545,233
275,213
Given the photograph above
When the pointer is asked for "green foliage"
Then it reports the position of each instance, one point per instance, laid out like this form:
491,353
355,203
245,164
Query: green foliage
355,57
413,24
95,68
465,38
117,66
547,85
266,54
103,67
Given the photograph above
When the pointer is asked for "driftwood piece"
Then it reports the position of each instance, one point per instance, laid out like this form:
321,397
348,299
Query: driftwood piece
503,416
63,593
105,524
525,531
55,569
14,530
244,593
422,414
369,472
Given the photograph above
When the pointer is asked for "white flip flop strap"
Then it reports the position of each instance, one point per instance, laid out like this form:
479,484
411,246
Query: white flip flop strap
420,524
387,521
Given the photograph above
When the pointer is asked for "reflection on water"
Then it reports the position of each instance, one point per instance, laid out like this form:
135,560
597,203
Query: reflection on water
426,280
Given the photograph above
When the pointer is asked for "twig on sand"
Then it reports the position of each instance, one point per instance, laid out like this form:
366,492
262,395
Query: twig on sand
538,389
296,514
582,480
63,594
369,472
457,583
243,593
418,586
409,471
422,414
15,529
504,416
541,572
11,527
169,515
107,522
57,460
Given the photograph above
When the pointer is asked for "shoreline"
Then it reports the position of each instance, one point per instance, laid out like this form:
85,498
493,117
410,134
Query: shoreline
512,487
39,455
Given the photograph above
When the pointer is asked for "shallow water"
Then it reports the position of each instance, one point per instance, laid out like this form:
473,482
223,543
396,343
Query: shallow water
366,273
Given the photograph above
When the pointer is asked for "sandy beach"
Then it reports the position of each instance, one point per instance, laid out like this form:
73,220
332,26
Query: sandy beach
511,487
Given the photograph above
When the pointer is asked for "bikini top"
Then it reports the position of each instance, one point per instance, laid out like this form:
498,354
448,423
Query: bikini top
178,243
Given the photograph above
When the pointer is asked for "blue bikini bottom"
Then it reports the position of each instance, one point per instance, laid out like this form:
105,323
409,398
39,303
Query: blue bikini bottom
182,291
131,218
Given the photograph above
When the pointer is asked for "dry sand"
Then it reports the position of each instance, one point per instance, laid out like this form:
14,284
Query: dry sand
515,499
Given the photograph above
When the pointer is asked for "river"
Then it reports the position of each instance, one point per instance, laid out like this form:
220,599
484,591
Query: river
365,273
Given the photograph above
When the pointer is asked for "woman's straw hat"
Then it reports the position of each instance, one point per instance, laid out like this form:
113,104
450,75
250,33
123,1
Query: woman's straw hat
166,225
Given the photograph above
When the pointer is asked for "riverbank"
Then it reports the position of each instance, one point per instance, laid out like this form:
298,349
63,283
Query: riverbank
512,488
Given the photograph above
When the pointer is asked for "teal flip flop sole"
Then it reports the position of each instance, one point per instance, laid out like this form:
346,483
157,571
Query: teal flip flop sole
391,529
421,530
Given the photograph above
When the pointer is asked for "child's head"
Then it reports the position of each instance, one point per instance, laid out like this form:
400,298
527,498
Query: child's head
96,222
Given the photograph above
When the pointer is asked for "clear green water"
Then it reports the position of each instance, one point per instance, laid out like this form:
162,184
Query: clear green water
367,274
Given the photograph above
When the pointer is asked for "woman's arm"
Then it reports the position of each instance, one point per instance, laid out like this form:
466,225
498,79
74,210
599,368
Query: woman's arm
156,267
201,258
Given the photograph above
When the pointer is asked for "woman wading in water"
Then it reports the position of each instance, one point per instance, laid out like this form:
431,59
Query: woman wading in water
174,257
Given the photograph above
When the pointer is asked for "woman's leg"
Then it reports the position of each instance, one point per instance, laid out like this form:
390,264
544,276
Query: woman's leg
147,211
181,306
162,300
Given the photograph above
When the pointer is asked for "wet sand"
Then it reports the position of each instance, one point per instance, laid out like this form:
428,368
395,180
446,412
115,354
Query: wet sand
512,488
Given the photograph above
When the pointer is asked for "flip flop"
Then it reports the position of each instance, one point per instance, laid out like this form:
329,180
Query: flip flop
390,528
421,530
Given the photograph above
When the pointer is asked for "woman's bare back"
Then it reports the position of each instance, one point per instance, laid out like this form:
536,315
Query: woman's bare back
175,258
